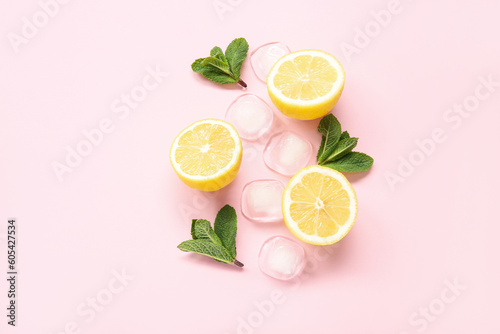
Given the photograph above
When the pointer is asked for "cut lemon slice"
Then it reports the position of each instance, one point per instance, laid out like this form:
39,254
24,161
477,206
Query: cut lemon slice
207,154
306,84
319,205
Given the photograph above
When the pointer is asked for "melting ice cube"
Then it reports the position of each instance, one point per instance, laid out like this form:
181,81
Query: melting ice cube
287,152
264,57
250,115
281,258
261,201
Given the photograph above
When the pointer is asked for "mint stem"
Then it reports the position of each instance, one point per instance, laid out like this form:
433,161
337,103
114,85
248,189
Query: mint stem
238,263
244,85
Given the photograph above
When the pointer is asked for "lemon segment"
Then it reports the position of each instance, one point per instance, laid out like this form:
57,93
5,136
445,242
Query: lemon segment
207,154
319,205
306,84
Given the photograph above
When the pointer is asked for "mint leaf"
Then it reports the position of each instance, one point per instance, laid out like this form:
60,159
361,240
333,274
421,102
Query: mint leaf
196,66
217,52
201,229
344,135
236,52
222,68
330,128
217,63
193,225
225,228
218,243
342,148
335,150
211,72
207,248
351,163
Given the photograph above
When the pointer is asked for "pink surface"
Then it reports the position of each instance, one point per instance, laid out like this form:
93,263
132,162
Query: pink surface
422,256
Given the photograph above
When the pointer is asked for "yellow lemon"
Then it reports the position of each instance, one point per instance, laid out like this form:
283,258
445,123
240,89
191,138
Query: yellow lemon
306,84
319,205
207,154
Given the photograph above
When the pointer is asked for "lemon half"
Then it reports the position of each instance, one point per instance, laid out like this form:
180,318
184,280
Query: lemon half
306,84
207,154
319,205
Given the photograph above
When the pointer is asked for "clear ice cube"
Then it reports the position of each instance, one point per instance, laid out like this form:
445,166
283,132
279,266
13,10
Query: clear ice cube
261,201
250,115
287,152
264,57
281,258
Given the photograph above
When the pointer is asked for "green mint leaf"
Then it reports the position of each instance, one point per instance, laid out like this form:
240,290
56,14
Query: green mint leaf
212,73
236,52
202,230
193,225
216,52
344,135
225,228
196,66
218,64
342,148
205,247
351,163
218,243
222,68
330,128
321,150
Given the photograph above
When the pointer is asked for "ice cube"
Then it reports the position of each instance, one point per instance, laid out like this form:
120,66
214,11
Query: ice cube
281,258
287,152
261,201
265,56
250,115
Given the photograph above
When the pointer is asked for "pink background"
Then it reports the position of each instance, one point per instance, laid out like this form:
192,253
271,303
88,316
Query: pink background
123,207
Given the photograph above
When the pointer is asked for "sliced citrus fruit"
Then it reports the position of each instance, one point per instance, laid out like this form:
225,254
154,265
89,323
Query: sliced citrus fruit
207,154
306,84
319,205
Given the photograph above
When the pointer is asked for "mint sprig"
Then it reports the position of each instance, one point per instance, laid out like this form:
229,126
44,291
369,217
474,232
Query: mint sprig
224,68
335,150
225,228
220,242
